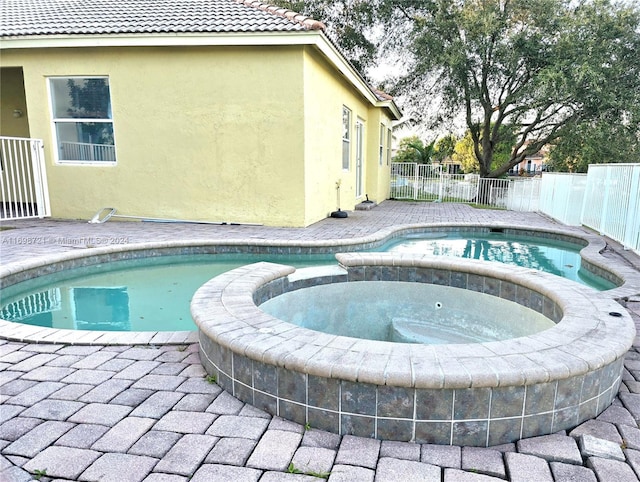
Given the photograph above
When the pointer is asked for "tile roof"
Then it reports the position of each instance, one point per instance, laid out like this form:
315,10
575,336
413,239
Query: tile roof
381,95
69,17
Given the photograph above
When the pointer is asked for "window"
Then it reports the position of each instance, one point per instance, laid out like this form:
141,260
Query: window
82,121
381,153
346,138
389,139
359,155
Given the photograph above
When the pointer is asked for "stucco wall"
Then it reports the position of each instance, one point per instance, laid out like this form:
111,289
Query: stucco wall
228,134
325,95
201,133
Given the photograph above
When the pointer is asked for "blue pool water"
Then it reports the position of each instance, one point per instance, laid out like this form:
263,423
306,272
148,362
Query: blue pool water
154,294
561,259
397,311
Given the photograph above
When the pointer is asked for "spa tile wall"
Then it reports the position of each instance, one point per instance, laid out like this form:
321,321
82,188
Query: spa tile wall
473,416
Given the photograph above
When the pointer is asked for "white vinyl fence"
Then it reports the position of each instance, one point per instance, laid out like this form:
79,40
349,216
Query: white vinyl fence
23,180
562,196
524,194
606,199
612,202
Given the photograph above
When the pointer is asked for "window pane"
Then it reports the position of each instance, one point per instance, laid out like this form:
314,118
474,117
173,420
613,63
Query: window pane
77,98
346,135
381,153
345,154
85,141
346,123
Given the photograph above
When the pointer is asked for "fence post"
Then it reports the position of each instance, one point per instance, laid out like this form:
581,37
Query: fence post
40,178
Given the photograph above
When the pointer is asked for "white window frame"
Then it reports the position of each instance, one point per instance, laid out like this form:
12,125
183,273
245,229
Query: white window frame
389,142
382,136
359,164
55,121
346,138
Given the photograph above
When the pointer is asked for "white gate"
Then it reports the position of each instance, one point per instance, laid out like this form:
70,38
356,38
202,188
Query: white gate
23,180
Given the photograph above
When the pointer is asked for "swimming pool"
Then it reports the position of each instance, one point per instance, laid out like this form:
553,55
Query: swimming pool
148,294
555,257
153,293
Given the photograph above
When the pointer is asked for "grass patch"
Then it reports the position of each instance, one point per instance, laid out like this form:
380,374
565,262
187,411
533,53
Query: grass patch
486,206
38,474
452,200
293,470
211,379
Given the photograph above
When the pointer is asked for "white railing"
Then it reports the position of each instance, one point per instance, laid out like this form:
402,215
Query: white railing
23,179
423,182
612,202
85,151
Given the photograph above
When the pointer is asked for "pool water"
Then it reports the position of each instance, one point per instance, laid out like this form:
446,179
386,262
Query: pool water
150,294
405,312
561,259
154,294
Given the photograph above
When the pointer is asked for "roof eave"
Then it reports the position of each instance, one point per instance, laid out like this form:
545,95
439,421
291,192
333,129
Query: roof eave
157,39
392,107
315,38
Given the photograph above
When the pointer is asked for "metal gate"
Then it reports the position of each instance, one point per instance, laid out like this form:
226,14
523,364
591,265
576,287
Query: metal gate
23,180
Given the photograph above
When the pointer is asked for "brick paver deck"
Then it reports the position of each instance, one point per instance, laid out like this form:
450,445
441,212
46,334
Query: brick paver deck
122,413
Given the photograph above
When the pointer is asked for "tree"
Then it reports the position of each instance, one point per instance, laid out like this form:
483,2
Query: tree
464,151
412,149
463,154
549,68
595,143
348,23
546,67
444,148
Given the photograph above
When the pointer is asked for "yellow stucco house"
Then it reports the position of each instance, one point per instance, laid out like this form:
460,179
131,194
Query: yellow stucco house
208,110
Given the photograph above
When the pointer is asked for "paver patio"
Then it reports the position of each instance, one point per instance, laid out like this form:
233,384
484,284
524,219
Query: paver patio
117,413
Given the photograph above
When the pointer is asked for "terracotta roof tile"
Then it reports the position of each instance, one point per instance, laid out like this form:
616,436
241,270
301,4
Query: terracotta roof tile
381,95
69,17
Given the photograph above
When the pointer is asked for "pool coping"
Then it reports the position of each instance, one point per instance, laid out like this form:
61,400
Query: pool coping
628,278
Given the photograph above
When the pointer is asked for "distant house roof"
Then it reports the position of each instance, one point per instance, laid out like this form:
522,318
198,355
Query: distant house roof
73,17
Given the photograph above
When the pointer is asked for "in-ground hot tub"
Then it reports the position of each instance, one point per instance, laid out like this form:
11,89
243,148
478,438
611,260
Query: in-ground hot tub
478,394
405,312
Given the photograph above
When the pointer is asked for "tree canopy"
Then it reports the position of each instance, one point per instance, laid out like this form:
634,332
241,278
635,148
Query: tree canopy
412,149
347,21
550,69
444,148
464,151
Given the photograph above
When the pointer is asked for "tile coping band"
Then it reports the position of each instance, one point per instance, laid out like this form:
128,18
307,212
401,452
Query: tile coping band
627,279
298,374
